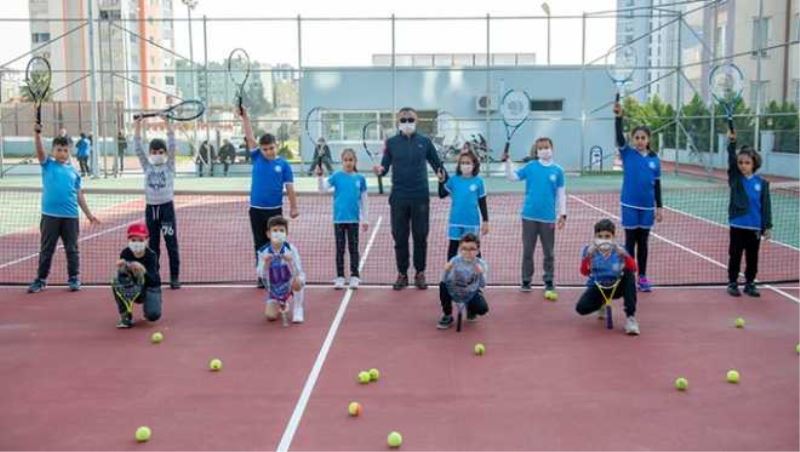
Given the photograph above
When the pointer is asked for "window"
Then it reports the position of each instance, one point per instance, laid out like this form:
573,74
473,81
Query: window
719,40
37,38
422,60
758,90
760,36
110,14
169,80
797,27
796,87
547,105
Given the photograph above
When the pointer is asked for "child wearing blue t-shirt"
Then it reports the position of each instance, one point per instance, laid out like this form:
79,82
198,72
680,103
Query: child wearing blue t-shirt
641,192
468,193
749,215
61,197
544,210
605,263
349,209
270,174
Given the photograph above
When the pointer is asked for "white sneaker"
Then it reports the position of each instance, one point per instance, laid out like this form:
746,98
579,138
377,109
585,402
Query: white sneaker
297,313
354,282
338,283
632,326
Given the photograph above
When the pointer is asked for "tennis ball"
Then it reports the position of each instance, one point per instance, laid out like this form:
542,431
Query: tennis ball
374,374
739,322
551,295
732,376
143,434
215,365
354,409
797,348
480,349
681,384
363,377
395,439
157,337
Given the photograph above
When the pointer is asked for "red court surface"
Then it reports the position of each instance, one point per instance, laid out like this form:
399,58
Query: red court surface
550,380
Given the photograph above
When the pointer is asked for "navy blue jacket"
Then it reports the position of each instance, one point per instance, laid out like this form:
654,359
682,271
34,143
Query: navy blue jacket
409,155
739,203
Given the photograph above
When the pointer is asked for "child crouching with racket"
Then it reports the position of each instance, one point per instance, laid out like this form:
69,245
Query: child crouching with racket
280,269
137,280
468,192
462,282
611,273
349,209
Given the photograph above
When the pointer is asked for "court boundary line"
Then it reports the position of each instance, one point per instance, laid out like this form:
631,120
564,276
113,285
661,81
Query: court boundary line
504,287
683,247
305,395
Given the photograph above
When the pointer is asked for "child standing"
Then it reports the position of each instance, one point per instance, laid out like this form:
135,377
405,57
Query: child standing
463,281
280,269
350,208
608,265
159,192
749,215
137,279
83,151
61,197
641,192
544,210
468,192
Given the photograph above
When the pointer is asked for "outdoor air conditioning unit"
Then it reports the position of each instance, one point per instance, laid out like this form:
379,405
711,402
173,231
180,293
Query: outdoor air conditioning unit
486,102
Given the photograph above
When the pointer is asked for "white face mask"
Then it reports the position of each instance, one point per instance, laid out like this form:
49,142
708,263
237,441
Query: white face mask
603,244
545,154
158,159
136,247
278,237
408,127
466,169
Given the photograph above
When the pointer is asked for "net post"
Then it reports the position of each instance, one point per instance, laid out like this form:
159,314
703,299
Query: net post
210,162
678,95
93,87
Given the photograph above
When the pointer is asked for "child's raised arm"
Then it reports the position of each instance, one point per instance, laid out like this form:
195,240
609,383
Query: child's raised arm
619,113
41,155
248,130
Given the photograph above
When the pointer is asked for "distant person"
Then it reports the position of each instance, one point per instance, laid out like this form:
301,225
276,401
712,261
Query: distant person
122,146
137,280
227,155
63,133
408,153
206,156
84,152
322,156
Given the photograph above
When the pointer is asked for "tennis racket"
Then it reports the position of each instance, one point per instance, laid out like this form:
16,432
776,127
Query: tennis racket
611,290
514,107
371,153
239,72
448,134
726,82
38,76
128,288
620,64
187,110
462,308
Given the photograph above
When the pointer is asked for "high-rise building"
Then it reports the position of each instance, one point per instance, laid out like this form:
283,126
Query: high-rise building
633,29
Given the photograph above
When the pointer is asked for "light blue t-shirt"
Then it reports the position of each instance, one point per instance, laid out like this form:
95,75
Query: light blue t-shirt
541,188
83,147
465,193
60,186
267,180
348,188
752,219
639,176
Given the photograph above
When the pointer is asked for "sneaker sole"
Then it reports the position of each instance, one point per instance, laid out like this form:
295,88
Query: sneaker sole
632,333
442,327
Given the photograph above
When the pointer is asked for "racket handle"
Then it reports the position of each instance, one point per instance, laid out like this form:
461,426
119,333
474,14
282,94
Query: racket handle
730,124
458,321
609,318
616,99
144,115
505,151
380,185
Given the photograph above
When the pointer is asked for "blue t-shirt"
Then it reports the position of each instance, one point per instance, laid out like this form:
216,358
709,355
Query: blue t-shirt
266,183
752,219
541,187
348,188
60,186
640,173
84,147
465,193
605,269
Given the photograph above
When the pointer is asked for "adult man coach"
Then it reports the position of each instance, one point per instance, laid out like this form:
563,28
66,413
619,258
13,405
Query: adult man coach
407,154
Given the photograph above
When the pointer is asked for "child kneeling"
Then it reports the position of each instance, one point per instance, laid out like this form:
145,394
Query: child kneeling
607,264
280,269
137,280
463,281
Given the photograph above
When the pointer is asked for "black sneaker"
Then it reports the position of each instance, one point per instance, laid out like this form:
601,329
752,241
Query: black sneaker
750,289
125,322
445,322
260,283
525,286
419,281
174,284
37,285
733,290
74,284
401,283
472,317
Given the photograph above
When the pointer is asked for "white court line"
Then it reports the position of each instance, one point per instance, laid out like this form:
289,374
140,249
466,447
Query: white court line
678,245
313,376
328,287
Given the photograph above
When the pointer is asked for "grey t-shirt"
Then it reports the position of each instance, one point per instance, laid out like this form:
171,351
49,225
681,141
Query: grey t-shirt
159,180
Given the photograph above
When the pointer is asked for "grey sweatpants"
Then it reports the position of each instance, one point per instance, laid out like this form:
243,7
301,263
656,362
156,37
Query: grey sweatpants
531,232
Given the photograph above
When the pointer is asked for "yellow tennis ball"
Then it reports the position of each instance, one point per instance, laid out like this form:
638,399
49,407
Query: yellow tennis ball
215,365
681,384
374,374
143,434
354,409
363,377
551,295
480,349
797,348
395,439
739,322
157,337
732,376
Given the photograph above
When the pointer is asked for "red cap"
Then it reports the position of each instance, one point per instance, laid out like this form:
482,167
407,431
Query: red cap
138,230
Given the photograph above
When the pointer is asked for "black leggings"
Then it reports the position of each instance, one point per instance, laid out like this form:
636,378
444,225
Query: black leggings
477,305
161,221
346,232
258,226
636,246
592,300
745,241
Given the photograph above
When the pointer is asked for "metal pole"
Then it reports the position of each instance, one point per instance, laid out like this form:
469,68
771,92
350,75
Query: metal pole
193,74
394,74
210,161
759,100
99,143
712,154
93,87
114,123
300,91
583,93
678,95
488,112
548,39
2,137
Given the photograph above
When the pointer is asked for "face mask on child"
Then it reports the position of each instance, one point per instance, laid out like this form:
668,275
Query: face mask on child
545,154
603,244
278,237
136,247
158,159
467,168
